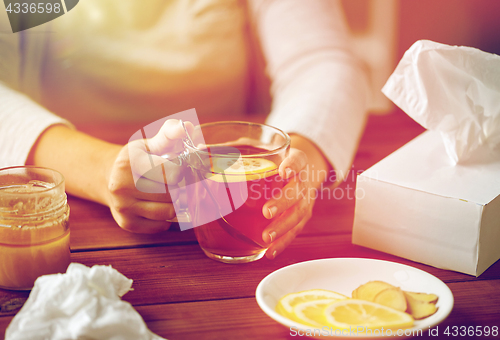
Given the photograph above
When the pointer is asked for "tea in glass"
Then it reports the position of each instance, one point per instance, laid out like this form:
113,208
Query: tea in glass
240,174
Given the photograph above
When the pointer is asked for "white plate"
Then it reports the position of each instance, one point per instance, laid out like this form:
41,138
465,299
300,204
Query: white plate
343,275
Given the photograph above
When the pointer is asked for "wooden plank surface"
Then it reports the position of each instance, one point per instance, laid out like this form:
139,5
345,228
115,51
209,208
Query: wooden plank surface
171,274
211,319
241,318
182,294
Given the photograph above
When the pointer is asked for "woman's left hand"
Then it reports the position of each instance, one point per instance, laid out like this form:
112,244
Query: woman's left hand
291,211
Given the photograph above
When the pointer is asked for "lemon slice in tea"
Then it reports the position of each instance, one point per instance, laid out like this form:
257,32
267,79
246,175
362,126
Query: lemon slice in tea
359,313
241,169
288,302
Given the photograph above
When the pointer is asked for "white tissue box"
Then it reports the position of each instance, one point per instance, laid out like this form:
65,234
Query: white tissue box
416,204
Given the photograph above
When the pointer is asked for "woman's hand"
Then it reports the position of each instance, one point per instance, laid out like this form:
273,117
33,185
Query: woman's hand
139,180
293,209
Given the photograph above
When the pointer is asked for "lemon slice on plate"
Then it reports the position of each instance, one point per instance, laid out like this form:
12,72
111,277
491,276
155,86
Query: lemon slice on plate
241,169
288,302
312,313
359,313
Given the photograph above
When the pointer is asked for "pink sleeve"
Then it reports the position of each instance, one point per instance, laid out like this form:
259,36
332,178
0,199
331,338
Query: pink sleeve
21,122
319,89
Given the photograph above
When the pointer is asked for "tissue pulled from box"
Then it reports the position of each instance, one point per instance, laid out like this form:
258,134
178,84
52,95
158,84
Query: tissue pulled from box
451,89
83,303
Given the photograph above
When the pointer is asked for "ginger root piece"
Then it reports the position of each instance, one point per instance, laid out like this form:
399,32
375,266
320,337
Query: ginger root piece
418,305
419,309
392,297
432,298
369,290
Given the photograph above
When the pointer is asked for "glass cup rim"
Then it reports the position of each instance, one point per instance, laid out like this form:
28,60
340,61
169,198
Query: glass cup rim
285,145
60,181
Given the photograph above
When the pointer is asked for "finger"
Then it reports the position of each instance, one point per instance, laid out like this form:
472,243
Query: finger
145,154
169,197
287,221
295,162
280,244
121,192
154,167
154,191
141,160
170,132
155,211
291,193
165,173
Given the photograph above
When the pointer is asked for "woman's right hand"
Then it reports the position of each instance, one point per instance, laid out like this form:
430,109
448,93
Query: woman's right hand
138,194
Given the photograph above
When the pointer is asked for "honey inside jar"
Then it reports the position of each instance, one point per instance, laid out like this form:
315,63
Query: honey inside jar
34,229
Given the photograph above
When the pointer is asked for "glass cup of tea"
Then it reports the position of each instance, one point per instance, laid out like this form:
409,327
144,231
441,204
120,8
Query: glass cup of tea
232,173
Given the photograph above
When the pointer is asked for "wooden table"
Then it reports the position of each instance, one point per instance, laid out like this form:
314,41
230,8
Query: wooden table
181,294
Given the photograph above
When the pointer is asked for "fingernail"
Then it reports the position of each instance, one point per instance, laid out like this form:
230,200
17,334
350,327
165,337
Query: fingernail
272,211
288,171
272,236
274,254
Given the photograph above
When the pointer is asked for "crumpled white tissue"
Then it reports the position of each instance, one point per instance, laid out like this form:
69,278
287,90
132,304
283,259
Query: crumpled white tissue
83,303
451,89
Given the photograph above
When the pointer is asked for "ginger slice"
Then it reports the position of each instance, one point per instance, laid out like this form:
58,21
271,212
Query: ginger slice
419,309
369,290
392,297
432,298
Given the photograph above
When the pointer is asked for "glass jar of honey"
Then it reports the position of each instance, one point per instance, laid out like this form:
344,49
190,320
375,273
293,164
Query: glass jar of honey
34,228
